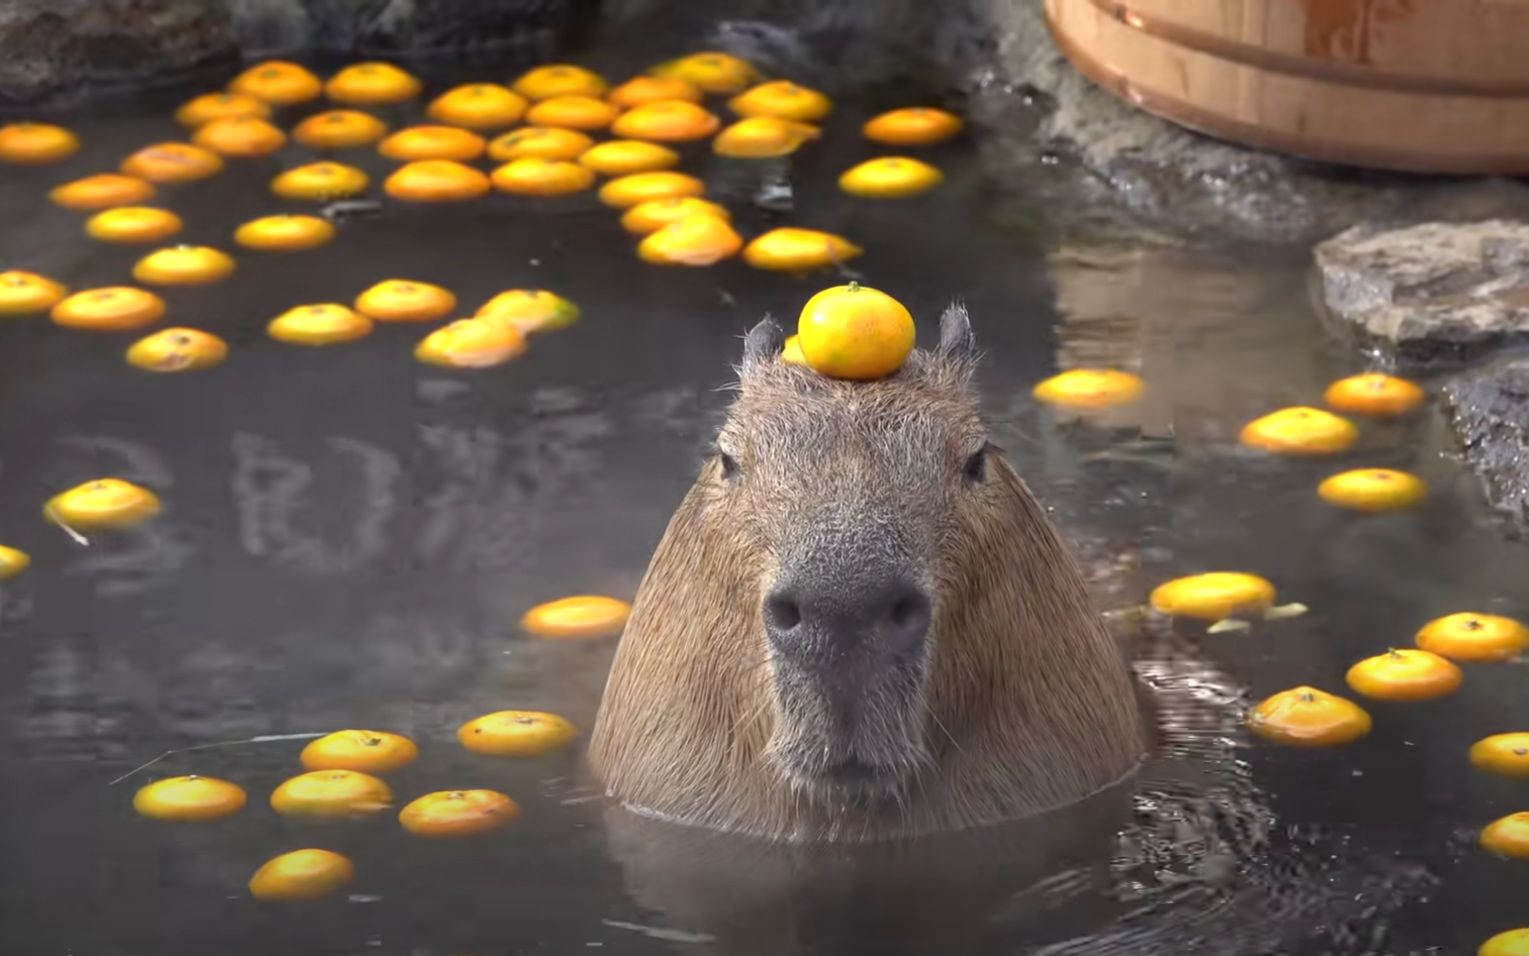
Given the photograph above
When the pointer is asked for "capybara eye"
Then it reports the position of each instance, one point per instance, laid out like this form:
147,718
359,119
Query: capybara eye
729,465
975,469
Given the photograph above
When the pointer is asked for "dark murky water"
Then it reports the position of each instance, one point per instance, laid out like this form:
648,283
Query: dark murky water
350,537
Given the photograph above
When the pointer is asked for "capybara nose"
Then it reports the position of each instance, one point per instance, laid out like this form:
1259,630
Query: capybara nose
805,621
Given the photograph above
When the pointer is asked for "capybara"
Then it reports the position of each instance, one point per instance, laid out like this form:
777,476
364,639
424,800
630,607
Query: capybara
860,624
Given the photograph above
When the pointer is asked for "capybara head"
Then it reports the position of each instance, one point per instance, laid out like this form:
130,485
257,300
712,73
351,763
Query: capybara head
860,624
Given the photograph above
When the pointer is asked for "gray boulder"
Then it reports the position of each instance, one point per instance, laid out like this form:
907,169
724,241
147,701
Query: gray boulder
1489,411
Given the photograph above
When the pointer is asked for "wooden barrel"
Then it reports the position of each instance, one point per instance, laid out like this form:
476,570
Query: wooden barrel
1439,86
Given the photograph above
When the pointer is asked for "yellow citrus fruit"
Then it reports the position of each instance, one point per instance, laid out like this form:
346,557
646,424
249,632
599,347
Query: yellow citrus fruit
1401,674
890,177
1514,942
1373,489
669,121
516,733
471,343
371,84
1307,717
698,240
789,249
623,157
111,309
782,99
855,332
1467,636
792,352
36,144
1213,595
1090,389
530,310
102,191
436,180
102,503
534,176
540,142
331,793
404,300
243,136
912,126
177,350
1300,431
320,182
1374,394
626,191
172,163
189,799
366,751
655,214
133,224
572,112
1503,754
200,110
1508,836
339,129
432,142
711,71
184,265
301,875
321,324
13,561
26,293
478,106
647,89
277,82
762,136
584,615
559,79
284,233
453,813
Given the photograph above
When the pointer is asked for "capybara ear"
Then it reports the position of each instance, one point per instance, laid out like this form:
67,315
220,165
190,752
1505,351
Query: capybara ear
956,338
763,343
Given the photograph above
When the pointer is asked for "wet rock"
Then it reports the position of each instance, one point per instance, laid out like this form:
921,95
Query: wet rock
1428,292
1489,412
404,27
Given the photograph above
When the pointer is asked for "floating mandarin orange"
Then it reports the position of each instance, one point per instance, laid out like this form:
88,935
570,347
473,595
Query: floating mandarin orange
782,99
1508,836
1307,717
478,106
36,144
109,309
516,733
367,751
372,84
534,176
792,352
432,142
1090,389
698,240
458,813
307,874
284,233
655,214
102,503
854,332
200,110
559,79
1468,636
1300,430
622,157
539,142
759,137
320,182
669,121
277,82
1375,394
177,350
530,310
710,70
189,799
13,561
626,191
583,615
912,126
646,89
1402,674
102,191
26,293
172,163
322,324
1503,754
789,249
572,112
1213,595
184,265
436,180
331,793
1514,942
339,129
471,343
890,177
1373,489
404,300
133,224
244,137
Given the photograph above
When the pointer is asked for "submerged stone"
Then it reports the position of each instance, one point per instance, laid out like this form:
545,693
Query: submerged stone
1489,413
